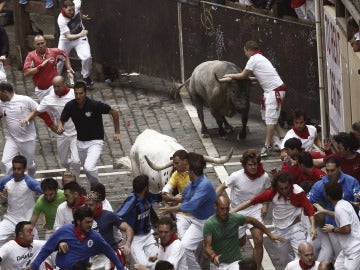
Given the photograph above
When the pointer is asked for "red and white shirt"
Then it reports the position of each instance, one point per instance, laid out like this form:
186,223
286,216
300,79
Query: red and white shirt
286,210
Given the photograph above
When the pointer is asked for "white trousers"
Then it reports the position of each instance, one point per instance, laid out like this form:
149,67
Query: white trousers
89,153
322,246
40,94
82,48
13,148
191,240
7,229
225,266
68,154
142,247
294,235
183,222
351,262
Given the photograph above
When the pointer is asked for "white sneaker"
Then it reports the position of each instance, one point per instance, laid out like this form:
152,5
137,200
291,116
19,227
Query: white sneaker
264,152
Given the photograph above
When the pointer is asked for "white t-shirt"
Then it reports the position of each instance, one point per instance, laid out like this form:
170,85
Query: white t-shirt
264,71
345,215
15,110
21,201
15,257
64,215
63,21
307,144
175,254
294,265
244,189
55,104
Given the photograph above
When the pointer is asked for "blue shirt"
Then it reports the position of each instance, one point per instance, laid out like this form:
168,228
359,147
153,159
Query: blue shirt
350,188
78,251
199,198
136,212
104,224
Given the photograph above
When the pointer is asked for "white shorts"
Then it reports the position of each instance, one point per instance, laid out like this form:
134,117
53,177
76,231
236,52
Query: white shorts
256,215
272,108
351,262
226,266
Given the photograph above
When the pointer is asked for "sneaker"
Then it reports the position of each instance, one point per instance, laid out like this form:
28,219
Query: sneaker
89,82
264,152
48,4
23,2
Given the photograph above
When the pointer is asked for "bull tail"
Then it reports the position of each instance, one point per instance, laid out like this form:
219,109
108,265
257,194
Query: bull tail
175,90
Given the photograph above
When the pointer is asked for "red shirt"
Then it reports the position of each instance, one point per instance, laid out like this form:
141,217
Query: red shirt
43,79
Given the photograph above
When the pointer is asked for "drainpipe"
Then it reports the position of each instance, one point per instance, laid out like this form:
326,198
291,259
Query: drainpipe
319,44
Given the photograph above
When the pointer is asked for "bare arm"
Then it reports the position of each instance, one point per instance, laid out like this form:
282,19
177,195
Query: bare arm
115,116
220,189
341,230
238,76
215,258
29,117
72,37
129,236
34,70
241,206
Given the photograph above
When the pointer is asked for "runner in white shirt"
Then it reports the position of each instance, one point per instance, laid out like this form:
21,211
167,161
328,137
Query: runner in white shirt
73,35
246,184
74,199
306,258
20,138
274,90
306,133
54,103
22,250
19,189
347,230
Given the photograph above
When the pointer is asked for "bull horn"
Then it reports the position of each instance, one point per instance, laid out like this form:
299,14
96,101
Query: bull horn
227,79
221,160
156,167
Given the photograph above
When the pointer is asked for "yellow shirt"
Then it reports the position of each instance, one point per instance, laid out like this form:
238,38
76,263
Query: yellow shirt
179,181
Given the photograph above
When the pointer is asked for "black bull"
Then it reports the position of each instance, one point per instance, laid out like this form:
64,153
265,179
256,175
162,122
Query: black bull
224,98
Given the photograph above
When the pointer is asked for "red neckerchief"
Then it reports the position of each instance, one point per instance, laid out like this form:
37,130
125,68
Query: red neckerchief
260,171
99,211
62,11
304,134
80,234
304,266
21,243
80,203
67,89
172,239
291,192
257,52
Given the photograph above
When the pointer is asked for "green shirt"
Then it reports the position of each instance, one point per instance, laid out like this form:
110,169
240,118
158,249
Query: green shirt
49,208
225,236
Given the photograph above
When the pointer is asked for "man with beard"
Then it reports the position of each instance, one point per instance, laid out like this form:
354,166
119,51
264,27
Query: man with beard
76,242
246,184
105,221
73,200
135,211
47,204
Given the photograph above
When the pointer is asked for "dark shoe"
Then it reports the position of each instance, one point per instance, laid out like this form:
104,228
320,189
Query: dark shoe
89,82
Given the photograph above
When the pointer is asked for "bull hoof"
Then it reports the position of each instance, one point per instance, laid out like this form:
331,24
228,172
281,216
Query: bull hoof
206,135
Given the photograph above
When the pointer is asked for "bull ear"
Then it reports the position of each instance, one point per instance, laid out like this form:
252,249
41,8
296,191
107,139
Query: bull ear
221,160
227,79
156,167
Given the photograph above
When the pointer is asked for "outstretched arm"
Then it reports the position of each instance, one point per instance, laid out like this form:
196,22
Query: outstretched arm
241,206
238,76
115,116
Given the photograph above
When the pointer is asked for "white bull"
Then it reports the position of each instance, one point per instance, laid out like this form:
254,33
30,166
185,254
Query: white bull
156,149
